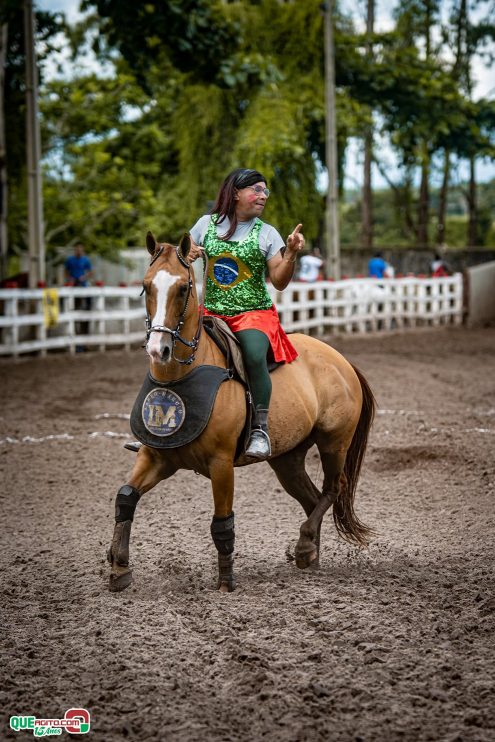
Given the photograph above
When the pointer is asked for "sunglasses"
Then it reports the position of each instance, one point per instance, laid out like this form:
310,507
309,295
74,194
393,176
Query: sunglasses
259,189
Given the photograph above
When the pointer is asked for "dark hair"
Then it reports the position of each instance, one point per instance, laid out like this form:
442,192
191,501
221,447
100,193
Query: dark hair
224,205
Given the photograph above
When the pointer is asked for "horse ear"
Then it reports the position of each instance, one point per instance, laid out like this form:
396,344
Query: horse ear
185,244
150,243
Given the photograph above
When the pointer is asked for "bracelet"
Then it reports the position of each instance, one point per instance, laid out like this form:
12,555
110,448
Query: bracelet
287,260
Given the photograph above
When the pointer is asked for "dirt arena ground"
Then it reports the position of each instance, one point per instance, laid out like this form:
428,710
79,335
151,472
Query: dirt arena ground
395,642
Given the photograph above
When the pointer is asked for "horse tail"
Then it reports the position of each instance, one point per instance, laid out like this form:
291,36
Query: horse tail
346,521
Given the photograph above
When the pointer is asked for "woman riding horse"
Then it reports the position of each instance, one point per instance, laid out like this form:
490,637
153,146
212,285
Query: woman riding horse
318,397
240,248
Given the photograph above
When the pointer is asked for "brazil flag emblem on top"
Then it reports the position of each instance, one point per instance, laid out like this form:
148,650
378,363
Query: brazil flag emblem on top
228,271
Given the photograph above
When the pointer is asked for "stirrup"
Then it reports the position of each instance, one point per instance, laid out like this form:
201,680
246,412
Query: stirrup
259,446
133,446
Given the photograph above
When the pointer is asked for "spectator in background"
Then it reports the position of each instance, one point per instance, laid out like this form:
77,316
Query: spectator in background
311,266
79,271
438,267
78,268
377,266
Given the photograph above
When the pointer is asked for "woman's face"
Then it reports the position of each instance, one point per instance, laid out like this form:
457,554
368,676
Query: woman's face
250,201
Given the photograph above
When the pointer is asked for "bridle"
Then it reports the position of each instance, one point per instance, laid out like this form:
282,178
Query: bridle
175,333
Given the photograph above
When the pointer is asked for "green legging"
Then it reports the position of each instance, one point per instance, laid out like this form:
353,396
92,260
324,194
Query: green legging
254,346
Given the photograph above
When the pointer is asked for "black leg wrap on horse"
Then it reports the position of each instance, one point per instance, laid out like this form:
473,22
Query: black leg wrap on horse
125,504
223,534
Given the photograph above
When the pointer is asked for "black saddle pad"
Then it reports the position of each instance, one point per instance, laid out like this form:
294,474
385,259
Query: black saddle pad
172,414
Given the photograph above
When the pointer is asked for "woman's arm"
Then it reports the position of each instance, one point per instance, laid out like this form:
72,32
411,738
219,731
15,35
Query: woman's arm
281,267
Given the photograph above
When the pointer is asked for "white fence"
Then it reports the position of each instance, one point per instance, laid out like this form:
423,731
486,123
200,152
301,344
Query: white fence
36,320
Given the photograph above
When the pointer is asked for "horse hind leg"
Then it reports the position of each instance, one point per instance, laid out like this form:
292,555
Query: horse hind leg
292,475
147,472
308,546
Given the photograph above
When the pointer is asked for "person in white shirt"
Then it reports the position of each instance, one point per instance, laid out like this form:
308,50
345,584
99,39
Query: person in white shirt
310,266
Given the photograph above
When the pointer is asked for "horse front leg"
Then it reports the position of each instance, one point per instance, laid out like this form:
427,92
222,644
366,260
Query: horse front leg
222,526
148,470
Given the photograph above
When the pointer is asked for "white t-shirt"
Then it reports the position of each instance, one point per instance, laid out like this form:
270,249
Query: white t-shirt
270,241
309,268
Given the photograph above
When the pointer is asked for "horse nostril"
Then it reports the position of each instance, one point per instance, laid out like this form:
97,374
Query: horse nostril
165,354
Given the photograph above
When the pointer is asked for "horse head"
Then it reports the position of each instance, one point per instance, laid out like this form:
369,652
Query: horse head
171,301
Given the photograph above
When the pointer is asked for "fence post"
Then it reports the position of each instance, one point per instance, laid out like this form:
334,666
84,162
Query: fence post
12,310
100,322
319,309
40,326
124,303
436,301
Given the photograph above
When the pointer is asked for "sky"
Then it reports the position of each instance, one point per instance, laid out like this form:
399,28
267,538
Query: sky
484,87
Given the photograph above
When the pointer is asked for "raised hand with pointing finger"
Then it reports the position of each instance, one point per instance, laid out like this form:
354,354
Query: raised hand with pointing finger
295,243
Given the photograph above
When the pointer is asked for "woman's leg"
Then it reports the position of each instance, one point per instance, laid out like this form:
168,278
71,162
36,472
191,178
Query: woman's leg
255,345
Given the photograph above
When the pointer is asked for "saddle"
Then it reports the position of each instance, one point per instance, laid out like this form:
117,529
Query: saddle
226,341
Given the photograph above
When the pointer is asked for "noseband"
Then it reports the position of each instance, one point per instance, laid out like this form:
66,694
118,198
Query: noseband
175,333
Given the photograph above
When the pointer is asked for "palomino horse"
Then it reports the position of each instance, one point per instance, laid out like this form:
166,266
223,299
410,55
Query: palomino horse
317,399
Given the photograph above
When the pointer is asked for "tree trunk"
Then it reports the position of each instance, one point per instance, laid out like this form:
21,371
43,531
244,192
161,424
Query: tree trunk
332,265
424,200
472,205
367,204
424,190
3,157
442,206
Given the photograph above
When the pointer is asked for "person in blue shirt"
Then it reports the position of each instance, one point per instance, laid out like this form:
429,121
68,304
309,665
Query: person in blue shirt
377,266
78,271
78,267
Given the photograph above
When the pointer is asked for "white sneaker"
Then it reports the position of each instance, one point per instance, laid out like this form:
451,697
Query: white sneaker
259,446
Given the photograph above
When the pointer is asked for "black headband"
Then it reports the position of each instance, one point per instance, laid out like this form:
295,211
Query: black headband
247,178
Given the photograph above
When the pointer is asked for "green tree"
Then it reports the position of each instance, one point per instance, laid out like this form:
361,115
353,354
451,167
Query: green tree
195,34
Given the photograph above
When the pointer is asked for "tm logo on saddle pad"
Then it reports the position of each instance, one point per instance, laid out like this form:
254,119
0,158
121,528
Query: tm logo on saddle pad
163,412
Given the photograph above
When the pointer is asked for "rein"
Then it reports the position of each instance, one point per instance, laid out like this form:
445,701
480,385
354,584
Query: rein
175,333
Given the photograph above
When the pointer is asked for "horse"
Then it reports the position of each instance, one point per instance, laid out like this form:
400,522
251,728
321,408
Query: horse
318,399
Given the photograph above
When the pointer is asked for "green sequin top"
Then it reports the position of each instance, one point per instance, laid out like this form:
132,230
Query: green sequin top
236,273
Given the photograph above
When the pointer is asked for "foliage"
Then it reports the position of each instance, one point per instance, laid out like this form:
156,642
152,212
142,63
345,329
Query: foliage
198,87
389,226
108,165
193,33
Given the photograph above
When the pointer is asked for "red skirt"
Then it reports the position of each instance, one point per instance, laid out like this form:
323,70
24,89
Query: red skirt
267,321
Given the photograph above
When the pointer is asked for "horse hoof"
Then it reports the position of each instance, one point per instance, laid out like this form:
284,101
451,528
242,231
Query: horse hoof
227,587
119,582
307,559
